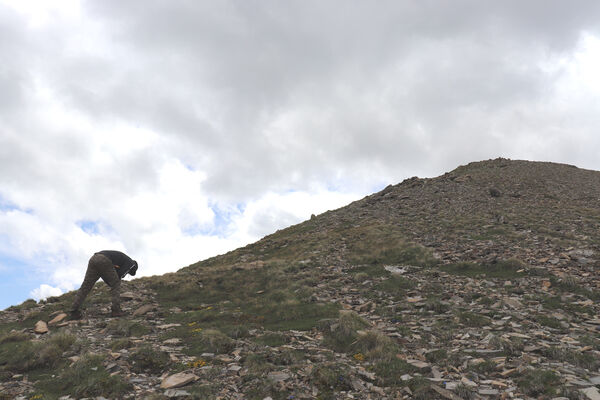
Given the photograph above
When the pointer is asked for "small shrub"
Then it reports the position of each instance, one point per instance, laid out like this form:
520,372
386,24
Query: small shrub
209,341
464,392
504,269
272,339
13,337
257,364
120,344
396,286
436,305
341,334
123,327
421,388
391,369
146,359
25,355
539,382
583,360
484,368
472,319
550,322
87,377
436,356
331,377
375,346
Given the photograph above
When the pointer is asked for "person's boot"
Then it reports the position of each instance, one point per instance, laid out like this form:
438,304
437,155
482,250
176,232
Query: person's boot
117,312
75,315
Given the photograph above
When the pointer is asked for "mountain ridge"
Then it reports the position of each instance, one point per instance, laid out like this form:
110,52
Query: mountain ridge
480,283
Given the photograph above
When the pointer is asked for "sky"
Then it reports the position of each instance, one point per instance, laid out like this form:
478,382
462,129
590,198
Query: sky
179,130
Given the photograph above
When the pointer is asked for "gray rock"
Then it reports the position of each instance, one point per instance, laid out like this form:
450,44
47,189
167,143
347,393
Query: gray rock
40,327
591,393
143,310
177,380
176,393
488,392
278,376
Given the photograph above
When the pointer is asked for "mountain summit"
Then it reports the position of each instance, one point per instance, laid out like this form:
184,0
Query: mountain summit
480,283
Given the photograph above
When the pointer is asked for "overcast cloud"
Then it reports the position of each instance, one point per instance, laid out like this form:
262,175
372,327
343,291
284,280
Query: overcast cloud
177,130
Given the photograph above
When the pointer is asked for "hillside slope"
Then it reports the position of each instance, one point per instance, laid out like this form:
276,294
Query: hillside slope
480,283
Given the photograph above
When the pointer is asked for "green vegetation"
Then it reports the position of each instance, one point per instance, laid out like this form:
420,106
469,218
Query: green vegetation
571,285
547,321
557,303
236,300
507,269
584,360
198,340
19,354
126,328
395,286
86,377
119,344
484,368
271,339
539,382
149,360
385,245
391,369
331,377
472,319
341,334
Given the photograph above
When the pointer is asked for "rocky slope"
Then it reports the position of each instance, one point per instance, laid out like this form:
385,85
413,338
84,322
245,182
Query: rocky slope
481,283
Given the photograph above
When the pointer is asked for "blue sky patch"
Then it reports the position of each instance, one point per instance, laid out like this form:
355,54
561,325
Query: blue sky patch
89,227
221,222
16,281
8,206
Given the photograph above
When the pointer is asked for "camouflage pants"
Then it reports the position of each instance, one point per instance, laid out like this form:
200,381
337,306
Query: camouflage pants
99,266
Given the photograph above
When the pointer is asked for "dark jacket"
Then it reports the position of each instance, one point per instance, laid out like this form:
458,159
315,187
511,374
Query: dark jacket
122,262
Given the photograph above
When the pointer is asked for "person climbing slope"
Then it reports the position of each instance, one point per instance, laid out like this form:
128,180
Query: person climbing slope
111,266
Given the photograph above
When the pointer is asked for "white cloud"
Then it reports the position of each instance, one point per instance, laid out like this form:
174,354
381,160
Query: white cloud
45,291
175,133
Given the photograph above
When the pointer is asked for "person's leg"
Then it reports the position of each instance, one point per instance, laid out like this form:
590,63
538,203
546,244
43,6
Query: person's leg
110,276
91,276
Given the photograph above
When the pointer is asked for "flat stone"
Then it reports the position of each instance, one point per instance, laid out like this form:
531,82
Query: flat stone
167,326
445,393
171,393
172,341
422,366
488,392
513,303
467,382
143,309
591,393
595,380
59,318
234,368
128,296
278,376
40,327
395,270
177,380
